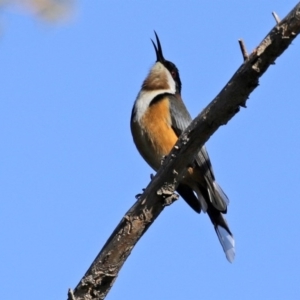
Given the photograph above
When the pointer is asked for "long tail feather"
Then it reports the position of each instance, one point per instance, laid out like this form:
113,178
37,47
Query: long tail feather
227,241
223,232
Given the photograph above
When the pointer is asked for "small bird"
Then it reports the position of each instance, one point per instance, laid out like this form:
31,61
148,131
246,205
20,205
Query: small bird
158,118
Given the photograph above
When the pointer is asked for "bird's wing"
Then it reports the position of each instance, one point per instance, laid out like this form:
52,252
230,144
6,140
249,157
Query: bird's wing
218,200
181,119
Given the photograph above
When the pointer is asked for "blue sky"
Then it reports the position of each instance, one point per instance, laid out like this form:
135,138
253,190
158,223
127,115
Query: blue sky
69,169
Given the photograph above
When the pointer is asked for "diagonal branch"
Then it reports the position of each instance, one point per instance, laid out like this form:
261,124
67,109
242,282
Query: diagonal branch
101,275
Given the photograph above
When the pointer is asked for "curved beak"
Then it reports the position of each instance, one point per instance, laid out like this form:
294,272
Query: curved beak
158,50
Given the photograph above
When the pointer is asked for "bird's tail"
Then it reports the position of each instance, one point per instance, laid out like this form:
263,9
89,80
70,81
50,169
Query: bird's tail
223,232
213,200
217,205
216,195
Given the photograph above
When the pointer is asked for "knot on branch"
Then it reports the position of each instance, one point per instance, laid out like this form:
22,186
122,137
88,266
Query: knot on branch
184,138
167,193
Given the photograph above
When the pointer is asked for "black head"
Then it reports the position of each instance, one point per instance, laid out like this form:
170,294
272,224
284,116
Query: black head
169,65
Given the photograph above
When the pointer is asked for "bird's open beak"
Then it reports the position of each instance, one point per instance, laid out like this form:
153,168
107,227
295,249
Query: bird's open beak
158,50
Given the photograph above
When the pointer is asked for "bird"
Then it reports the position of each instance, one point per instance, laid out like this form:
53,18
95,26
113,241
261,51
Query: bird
158,118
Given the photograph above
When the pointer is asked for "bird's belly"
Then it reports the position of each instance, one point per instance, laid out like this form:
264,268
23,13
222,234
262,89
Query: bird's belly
154,144
153,133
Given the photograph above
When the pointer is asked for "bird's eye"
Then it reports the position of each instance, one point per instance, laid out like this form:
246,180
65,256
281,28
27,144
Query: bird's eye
173,73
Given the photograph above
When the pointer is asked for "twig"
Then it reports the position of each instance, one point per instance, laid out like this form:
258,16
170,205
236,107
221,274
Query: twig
277,19
243,49
71,295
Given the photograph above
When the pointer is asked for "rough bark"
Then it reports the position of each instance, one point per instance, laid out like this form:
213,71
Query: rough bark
101,275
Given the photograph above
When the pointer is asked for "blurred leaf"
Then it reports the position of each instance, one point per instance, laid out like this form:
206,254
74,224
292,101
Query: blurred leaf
50,10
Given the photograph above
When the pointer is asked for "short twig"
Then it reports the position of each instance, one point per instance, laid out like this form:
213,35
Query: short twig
137,196
243,104
277,19
243,49
71,295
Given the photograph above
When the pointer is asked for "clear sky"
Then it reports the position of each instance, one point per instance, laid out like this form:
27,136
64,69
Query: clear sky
69,170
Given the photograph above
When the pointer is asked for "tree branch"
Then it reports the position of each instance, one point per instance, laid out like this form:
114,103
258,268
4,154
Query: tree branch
101,275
